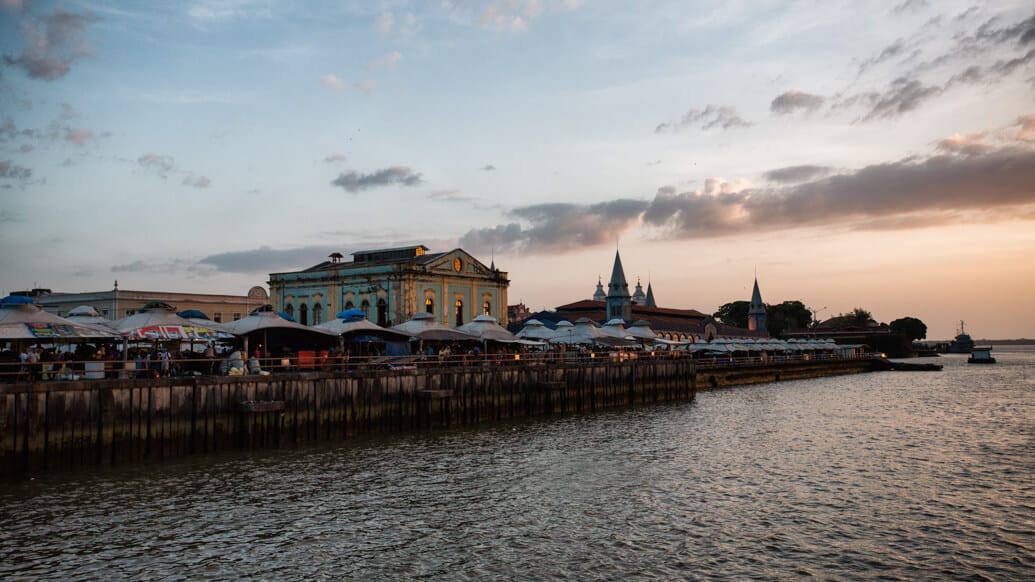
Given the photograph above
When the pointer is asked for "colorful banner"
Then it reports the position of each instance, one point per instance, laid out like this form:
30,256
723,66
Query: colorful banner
176,332
49,330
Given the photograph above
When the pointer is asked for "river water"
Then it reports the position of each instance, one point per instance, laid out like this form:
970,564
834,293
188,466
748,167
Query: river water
893,475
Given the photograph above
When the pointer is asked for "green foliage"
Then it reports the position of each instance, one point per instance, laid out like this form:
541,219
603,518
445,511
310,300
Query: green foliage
910,327
861,317
787,316
734,313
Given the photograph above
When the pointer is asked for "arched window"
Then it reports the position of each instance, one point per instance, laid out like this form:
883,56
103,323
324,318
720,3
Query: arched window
317,314
365,306
350,305
459,313
303,314
382,312
290,310
486,308
429,305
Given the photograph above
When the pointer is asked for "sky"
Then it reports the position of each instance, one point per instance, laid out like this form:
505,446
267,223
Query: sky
851,154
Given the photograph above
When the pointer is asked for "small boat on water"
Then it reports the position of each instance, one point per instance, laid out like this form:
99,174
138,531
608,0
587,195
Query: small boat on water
982,355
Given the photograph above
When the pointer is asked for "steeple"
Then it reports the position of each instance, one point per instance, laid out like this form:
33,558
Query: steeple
638,296
756,313
619,302
649,301
599,295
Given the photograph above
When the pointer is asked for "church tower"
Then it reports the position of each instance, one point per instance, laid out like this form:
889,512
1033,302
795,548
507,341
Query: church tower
619,302
599,295
649,302
756,313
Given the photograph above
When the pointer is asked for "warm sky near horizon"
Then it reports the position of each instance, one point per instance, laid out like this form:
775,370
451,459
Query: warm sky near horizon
855,154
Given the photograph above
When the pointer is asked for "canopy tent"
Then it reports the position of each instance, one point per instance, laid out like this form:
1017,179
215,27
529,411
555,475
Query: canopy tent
486,328
353,325
271,327
158,321
535,330
640,329
585,332
20,319
87,315
198,317
616,328
424,327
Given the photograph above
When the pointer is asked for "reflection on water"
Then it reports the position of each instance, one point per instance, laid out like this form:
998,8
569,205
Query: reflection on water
897,474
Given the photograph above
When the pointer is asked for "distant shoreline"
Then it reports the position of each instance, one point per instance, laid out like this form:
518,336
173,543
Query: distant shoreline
995,342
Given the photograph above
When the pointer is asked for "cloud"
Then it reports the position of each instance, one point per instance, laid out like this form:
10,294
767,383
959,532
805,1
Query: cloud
265,260
792,100
795,174
385,61
355,182
971,185
334,158
453,195
331,81
893,50
216,11
1026,131
970,145
489,168
903,95
367,86
910,6
713,116
79,136
558,227
51,43
159,164
12,171
197,181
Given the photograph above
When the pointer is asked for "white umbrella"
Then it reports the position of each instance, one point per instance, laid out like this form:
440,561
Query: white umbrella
20,319
423,326
158,321
586,332
486,328
641,329
535,330
87,315
354,325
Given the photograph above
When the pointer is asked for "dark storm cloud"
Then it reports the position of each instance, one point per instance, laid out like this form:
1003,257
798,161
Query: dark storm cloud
793,100
558,226
265,260
52,43
355,182
796,174
939,184
973,182
712,116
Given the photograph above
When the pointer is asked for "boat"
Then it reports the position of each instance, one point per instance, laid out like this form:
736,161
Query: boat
982,355
963,344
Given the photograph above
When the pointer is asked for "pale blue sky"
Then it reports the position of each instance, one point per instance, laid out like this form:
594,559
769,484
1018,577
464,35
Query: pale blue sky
857,154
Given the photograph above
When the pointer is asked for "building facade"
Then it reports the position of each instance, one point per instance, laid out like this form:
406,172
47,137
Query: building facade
118,303
390,285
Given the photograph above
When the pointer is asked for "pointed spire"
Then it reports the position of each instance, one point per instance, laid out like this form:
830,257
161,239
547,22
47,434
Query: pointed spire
638,295
618,287
756,313
649,301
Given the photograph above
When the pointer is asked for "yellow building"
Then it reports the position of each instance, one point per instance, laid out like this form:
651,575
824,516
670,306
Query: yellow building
390,285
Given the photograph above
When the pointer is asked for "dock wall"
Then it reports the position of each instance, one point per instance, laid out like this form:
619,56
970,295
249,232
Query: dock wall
51,426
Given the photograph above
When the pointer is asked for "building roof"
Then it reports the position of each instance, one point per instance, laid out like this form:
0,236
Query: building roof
757,307
618,287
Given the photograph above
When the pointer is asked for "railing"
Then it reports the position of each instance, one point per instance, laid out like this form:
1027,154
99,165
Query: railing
85,370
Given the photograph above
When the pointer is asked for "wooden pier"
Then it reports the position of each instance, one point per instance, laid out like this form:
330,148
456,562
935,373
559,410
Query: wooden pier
48,426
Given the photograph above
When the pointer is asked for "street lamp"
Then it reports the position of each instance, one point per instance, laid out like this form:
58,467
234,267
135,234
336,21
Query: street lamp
815,315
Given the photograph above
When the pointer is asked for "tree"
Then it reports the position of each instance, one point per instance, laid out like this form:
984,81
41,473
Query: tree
860,317
787,316
910,327
734,313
